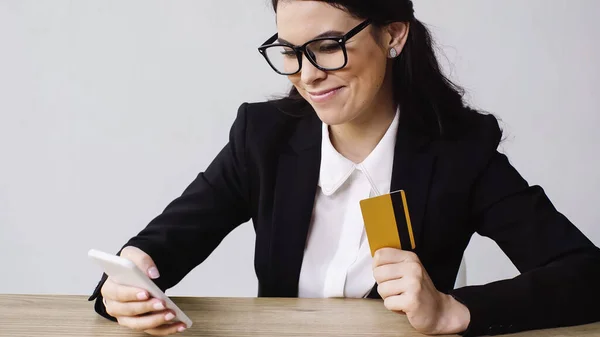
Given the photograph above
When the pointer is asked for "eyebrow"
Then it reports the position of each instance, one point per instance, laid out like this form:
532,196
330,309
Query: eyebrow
329,33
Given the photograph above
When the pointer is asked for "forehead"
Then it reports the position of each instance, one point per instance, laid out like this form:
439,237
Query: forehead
299,21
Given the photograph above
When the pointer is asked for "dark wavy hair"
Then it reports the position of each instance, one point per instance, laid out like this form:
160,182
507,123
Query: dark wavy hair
427,98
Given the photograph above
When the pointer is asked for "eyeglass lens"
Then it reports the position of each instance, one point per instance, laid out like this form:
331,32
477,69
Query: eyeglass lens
327,54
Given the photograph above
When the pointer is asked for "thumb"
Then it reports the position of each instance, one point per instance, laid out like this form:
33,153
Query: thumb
141,260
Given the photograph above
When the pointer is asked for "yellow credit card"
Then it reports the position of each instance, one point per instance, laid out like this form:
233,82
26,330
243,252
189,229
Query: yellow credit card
387,222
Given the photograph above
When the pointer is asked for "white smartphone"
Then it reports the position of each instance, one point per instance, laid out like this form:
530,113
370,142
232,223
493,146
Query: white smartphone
126,273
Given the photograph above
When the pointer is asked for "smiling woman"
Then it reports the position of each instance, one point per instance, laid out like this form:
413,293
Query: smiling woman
370,115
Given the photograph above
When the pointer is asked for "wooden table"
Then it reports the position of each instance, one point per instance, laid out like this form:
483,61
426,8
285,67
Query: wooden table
66,316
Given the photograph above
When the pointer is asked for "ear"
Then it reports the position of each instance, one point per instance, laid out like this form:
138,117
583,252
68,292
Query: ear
396,35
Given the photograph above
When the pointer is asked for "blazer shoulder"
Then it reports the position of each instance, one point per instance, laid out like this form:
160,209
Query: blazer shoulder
267,115
267,124
478,129
473,144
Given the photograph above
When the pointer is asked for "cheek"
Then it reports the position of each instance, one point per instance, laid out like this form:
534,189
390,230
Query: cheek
375,68
368,72
295,80
368,63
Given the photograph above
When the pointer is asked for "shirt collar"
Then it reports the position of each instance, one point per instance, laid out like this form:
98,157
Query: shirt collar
336,169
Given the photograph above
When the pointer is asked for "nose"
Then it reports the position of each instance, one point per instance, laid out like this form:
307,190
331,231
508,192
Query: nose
309,73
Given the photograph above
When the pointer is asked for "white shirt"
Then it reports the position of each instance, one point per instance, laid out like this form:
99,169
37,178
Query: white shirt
337,259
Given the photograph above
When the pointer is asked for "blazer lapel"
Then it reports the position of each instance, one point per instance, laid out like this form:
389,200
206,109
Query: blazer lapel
295,189
412,172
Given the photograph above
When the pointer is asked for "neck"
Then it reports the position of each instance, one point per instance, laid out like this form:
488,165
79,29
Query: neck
356,139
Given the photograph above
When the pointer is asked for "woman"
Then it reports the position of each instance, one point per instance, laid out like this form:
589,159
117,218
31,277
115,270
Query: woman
370,113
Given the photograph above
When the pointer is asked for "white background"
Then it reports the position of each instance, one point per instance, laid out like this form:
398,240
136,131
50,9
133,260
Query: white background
108,109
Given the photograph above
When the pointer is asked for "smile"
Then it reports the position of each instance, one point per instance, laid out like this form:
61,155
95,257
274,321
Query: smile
323,96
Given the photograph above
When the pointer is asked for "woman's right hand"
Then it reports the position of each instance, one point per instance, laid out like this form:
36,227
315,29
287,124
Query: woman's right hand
134,308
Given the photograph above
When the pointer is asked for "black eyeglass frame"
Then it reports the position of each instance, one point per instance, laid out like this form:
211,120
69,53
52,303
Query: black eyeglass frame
300,50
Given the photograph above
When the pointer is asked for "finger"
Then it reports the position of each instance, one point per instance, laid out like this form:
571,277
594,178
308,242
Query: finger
117,309
394,271
405,285
141,260
166,330
385,256
390,288
400,303
147,322
388,272
120,293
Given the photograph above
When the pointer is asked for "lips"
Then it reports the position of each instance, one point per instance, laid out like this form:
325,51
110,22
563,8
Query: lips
323,95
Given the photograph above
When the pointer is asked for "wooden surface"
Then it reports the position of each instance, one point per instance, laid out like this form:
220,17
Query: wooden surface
66,316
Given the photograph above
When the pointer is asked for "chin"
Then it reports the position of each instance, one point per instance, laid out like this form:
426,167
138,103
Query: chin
333,111
332,115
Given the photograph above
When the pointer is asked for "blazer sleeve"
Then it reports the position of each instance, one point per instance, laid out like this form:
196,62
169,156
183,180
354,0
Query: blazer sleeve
195,223
559,281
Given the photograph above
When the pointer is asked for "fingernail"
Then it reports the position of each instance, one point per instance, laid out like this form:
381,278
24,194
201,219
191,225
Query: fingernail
169,316
153,273
142,296
159,306
181,329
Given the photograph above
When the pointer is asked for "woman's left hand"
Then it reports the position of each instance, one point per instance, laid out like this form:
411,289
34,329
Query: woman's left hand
405,286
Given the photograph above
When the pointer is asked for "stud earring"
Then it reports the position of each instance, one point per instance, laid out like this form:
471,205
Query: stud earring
393,53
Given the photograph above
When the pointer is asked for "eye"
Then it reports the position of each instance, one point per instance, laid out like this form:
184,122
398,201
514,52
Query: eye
329,47
288,53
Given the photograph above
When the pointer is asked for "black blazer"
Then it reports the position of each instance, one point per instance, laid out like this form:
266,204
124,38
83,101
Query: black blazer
268,173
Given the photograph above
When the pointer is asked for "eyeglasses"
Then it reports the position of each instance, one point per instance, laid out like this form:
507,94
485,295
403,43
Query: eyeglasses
325,53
